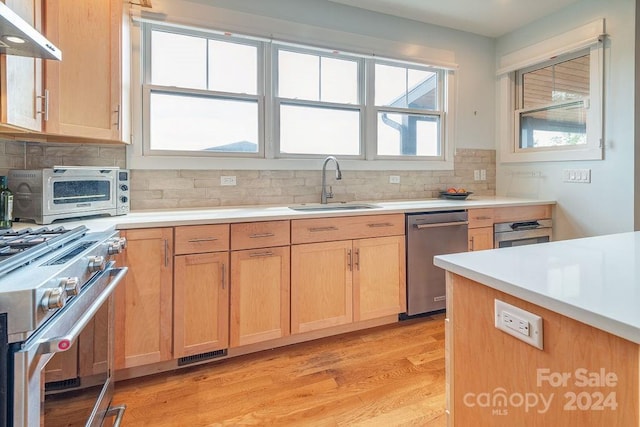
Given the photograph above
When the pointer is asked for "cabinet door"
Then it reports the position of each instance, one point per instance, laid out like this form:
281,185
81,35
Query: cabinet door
21,77
259,295
201,303
94,343
480,238
63,366
144,299
321,285
379,269
85,87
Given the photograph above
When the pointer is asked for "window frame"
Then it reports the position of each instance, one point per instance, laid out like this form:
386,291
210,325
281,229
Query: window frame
148,88
139,156
590,37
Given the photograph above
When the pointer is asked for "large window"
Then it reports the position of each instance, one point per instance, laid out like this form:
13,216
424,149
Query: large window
551,98
216,95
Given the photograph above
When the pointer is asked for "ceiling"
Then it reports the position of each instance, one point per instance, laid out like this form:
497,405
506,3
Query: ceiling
491,18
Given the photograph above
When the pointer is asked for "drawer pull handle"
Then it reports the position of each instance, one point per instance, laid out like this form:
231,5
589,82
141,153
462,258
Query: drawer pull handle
320,229
259,235
261,254
203,239
482,217
380,224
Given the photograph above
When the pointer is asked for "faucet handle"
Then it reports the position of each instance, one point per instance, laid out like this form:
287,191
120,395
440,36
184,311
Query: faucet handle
330,193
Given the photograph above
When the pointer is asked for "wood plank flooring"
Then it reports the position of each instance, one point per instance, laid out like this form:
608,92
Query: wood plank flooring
387,376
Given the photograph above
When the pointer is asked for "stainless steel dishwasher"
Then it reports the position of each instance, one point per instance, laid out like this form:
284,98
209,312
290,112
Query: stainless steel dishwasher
430,234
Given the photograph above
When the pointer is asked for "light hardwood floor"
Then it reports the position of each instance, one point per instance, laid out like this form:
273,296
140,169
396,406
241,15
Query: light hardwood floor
387,376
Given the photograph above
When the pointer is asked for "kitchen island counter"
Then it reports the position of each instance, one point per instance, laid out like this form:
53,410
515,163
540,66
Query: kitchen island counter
586,370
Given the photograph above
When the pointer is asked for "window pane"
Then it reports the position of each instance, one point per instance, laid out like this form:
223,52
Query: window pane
178,60
233,67
317,78
313,130
186,123
566,81
403,87
559,126
298,76
408,135
339,81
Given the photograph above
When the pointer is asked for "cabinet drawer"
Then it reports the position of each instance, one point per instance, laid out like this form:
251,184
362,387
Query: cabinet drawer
346,228
194,239
522,213
265,234
480,218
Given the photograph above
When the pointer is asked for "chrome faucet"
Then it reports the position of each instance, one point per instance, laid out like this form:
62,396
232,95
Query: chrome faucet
328,194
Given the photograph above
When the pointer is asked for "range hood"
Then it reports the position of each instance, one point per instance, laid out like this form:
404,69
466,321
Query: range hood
17,37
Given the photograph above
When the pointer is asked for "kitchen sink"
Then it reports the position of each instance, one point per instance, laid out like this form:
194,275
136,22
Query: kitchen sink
333,207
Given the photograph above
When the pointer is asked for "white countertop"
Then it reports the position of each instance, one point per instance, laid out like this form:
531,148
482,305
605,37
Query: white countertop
593,280
170,218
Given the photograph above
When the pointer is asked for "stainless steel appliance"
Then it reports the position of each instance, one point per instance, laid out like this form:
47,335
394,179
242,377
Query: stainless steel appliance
508,234
56,285
430,234
62,192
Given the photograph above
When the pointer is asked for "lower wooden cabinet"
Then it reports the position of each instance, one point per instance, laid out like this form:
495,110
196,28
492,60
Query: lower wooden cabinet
144,299
259,295
379,277
480,238
321,285
200,303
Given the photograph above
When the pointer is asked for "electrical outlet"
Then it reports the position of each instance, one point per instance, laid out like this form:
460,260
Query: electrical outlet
476,175
519,323
394,179
228,180
483,174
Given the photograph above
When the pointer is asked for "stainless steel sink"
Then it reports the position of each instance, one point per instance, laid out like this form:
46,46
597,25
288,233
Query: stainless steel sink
333,207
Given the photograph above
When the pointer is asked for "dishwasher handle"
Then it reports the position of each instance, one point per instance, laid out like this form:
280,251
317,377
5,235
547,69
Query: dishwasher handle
440,224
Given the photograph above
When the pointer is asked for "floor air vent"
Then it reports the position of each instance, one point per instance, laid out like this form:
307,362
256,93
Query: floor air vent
62,385
200,357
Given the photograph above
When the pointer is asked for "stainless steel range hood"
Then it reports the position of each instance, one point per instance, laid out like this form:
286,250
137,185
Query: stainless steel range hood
17,37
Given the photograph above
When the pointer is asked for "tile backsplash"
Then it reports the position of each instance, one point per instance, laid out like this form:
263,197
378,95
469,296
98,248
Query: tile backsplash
166,189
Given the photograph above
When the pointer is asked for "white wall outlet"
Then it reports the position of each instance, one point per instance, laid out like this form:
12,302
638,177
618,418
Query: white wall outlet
394,179
483,174
519,323
476,175
228,180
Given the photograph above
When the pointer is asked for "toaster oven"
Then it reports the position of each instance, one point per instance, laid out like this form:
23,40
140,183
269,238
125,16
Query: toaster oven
63,192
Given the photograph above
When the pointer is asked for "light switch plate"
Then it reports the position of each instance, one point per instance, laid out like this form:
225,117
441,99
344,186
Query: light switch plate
519,323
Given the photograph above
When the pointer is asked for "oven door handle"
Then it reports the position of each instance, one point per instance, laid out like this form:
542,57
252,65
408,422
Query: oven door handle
63,343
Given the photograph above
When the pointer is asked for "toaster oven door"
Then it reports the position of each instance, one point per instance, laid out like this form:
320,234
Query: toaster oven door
80,192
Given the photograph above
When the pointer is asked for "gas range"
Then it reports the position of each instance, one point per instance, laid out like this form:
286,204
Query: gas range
42,269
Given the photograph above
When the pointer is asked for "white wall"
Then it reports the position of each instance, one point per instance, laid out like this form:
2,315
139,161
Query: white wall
322,22
606,205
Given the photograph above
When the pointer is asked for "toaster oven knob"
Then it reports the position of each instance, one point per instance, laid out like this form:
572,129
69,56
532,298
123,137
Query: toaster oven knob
54,298
96,263
71,285
124,199
124,187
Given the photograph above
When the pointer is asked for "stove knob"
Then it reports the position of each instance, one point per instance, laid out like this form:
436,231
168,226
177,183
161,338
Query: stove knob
123,242
71,285
114,248
54,298
96,263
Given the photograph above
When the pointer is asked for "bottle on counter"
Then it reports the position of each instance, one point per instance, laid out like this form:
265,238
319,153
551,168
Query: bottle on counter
6,204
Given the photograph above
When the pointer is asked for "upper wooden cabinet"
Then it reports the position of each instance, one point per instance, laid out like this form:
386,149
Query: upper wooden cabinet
21,78
85,89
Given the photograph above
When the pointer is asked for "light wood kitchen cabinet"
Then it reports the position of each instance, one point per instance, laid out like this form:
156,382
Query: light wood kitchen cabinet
481,229
201,289
260,277
338,281
321,285
63,365
201,303
87,89
379,272
21,92
144,299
